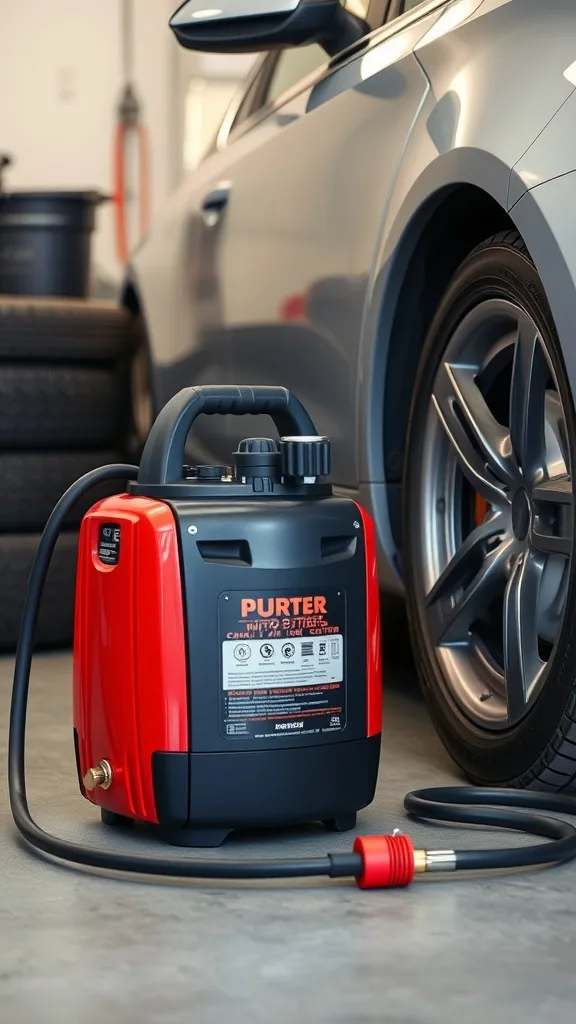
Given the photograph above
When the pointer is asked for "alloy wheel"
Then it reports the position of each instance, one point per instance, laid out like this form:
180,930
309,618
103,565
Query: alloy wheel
497,515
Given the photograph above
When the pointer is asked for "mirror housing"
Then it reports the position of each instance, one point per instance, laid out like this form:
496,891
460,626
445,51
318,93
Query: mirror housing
250,26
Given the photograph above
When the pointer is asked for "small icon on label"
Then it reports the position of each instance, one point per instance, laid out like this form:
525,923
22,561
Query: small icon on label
267,650
109,544
335,720
335,648
242,652
307,649
288,650
322,651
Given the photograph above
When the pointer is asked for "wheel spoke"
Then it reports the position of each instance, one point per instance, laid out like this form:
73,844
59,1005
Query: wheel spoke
450,620
467,559
558,458
522,663
552,530
477,438
499,428
530,375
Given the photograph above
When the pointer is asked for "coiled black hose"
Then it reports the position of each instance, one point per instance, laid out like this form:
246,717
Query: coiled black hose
497,808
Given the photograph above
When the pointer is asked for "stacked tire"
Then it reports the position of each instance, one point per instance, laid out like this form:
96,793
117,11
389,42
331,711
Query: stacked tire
65,408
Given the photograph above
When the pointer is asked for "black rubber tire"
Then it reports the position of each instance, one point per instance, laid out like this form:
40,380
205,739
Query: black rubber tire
62,407
55,627
541,750
72,331
65,408
32,482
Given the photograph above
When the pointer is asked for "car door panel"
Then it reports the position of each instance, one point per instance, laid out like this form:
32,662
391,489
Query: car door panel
174,274
307,195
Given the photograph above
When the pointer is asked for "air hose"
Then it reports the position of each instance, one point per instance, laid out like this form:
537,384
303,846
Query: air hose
377,861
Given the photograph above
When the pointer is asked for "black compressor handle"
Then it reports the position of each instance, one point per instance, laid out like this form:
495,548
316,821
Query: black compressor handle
163,455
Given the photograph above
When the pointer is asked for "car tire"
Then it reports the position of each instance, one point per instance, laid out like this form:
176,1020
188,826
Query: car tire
69,331
65,408
56,619
32,482
489,525
54,407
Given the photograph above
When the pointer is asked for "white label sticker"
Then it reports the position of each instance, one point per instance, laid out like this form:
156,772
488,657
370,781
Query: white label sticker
260,664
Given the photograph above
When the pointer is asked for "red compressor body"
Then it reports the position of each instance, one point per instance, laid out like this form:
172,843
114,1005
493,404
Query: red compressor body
227,665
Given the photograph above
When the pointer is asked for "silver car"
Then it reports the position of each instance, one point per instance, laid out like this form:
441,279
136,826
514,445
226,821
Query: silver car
386,225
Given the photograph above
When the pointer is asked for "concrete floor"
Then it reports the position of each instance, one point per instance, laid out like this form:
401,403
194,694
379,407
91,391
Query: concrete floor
79,949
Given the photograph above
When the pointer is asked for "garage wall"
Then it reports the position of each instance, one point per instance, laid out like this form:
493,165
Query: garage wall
60,79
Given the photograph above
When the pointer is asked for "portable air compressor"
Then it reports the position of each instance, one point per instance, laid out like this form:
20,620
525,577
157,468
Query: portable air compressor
227,665
227,638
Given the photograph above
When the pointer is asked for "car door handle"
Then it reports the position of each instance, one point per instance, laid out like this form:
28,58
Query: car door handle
214,204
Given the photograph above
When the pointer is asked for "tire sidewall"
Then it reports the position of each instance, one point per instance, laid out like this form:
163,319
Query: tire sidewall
496,757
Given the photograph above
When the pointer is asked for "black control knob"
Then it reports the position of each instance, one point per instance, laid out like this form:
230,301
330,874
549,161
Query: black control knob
258,445
305,458
257,457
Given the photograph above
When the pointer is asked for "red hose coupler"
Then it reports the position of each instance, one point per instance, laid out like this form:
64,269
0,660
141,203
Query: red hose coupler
388,861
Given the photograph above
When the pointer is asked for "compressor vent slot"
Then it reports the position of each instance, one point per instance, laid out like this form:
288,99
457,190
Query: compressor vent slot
225,552
336,549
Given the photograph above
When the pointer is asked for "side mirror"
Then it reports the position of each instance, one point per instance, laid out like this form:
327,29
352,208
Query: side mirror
248,26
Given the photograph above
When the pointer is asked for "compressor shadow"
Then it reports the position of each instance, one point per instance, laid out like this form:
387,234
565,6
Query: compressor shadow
399,671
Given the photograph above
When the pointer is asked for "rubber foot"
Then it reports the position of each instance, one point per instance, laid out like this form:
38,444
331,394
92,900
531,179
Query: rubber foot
196,837
113,819
345,823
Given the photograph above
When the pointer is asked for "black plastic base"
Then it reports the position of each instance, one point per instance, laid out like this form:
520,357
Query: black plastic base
209,838
345,823
206,838
201,798
114,820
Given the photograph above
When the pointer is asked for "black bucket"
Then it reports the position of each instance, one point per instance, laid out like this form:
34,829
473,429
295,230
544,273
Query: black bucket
45,242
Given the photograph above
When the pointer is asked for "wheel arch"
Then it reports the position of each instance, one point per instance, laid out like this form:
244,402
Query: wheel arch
143,372
450,217
445,228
